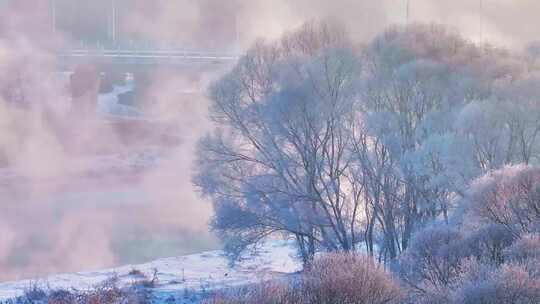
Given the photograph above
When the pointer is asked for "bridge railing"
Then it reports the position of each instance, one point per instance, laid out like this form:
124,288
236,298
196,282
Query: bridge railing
149,54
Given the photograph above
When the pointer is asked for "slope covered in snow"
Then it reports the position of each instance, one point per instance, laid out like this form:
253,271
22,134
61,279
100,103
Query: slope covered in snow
195,273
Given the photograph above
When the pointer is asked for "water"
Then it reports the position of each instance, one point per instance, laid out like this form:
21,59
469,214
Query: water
111,200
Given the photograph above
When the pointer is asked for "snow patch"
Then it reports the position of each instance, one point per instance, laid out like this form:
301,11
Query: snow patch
109,106
208,270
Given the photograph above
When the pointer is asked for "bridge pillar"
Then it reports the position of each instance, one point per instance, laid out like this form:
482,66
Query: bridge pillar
111,76
84,84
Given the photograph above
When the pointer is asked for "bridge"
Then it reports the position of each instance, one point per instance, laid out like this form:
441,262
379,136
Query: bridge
106,45
127,57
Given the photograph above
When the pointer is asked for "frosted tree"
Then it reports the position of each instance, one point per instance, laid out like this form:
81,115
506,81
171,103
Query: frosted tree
280,160
340,147
414,84
504,129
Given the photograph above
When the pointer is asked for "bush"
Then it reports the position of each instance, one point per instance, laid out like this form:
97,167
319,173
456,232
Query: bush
332,278
434,259
509,284
35,292
136,273
508,197
348,278
526,248
488,243
145,281
270,292
490,251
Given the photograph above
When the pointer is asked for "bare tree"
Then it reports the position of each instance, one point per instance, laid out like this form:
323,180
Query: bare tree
281,160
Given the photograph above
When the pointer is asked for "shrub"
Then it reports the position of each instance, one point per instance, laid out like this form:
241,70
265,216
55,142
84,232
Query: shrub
270,292
490,250
147,282
348,278
509,284
35,292
488,243
434,259
528,247
332,278
136,272
509,197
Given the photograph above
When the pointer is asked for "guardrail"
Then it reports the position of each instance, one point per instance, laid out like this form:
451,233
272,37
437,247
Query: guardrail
150,54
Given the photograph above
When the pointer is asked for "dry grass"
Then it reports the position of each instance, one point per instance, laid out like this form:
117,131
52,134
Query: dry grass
107,292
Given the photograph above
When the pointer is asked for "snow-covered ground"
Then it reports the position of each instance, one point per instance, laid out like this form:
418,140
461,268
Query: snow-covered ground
205,271
108,104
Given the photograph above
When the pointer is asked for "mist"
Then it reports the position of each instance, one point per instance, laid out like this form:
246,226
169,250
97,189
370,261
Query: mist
213,23
75,195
